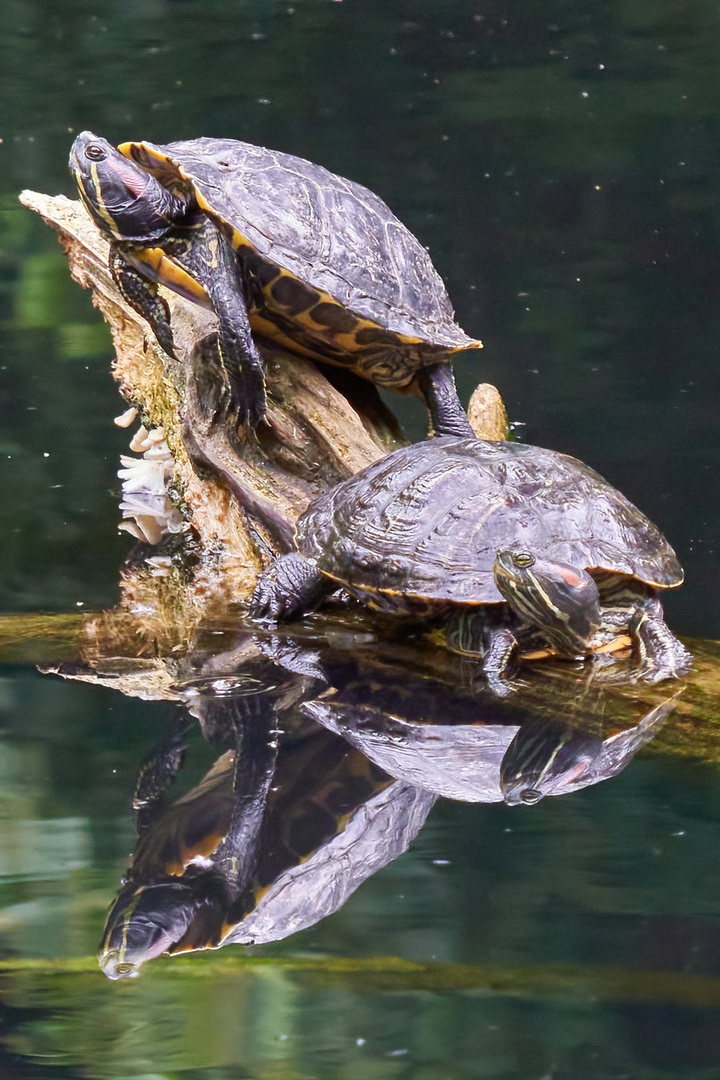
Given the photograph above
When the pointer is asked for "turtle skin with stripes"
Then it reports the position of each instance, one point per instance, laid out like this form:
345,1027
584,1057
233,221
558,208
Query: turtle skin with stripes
513,550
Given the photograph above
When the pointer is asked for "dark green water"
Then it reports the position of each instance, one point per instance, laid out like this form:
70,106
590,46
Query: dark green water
562,163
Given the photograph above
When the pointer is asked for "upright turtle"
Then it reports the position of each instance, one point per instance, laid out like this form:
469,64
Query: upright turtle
278,246
511,546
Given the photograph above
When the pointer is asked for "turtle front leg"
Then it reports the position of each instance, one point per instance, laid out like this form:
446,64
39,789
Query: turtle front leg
662,656
289,587
158,772
477,634
496,661
437,386
142,296
240,355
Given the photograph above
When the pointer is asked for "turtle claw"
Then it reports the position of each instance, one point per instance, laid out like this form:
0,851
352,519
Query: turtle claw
289,587
247,397
501,686
250,419
267,601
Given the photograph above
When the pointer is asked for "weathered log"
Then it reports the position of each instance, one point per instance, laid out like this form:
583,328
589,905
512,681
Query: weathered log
238,495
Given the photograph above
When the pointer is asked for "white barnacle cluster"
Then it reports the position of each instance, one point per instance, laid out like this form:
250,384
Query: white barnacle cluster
148,513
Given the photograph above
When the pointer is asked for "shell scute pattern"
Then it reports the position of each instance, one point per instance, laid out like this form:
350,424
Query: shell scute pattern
293,295
331,233
336,318
428,520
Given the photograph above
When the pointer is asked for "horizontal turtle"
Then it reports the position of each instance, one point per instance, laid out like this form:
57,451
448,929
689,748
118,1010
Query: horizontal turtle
512,548
278,246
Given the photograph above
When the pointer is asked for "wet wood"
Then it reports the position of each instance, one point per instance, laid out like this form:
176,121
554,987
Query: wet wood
146,653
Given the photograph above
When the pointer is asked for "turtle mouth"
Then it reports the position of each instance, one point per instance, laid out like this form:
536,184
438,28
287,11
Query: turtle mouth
520,794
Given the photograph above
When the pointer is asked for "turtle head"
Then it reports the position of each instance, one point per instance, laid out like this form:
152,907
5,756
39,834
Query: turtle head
560,600
548,756
144,921
147,920
124,201
169,915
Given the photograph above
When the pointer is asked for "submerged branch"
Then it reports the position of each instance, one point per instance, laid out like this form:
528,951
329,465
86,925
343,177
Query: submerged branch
395,975
109,648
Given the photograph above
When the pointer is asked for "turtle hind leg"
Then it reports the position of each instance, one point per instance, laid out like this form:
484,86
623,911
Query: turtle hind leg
662,656
256,754
247,391
437,386
241,360
290,587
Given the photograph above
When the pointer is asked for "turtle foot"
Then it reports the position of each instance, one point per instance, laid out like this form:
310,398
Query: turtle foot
250,407
288,588
662,656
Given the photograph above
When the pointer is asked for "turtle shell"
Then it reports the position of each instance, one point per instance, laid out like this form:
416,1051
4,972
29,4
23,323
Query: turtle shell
426,522
331,267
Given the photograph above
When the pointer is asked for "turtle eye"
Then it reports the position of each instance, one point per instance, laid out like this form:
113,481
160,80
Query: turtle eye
522,559
95,152
529,796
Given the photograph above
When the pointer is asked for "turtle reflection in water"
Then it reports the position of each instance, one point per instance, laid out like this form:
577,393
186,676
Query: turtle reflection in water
511,547
277,246
251,854
554,756
555,735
